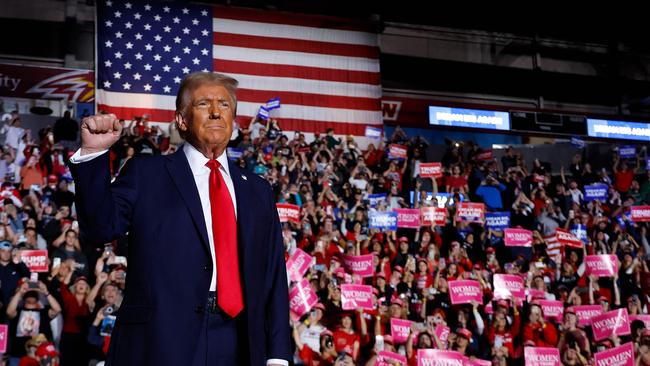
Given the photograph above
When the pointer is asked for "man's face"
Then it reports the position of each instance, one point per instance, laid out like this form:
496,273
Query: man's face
210,118
5,254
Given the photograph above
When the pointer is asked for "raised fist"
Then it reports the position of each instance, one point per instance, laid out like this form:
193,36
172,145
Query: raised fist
99,132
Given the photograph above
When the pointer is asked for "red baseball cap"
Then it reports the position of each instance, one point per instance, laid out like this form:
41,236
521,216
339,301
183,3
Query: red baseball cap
464,333
46,349
397,301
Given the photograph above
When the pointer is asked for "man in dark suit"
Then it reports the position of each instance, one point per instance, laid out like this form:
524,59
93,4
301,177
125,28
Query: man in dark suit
207,281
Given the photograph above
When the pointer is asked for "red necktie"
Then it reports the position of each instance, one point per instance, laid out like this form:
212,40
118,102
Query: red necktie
224,232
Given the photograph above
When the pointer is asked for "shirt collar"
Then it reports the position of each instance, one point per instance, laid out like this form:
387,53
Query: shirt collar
197,160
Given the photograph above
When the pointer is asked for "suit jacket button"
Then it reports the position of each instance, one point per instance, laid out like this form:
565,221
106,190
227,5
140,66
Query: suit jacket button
199,309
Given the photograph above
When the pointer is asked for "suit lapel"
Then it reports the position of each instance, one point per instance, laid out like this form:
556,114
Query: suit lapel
180,172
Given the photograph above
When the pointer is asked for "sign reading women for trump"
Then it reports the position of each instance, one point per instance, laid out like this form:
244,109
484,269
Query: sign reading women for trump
436,357
430,170
301,299
470,212
288,212
359,264
602,265
542,356
507,286
385,358
640,213
356,296
517,237
619,356
614,322
382,220
408,217
400,329
298,264
497,221
586,312
464,291
552,309
597,191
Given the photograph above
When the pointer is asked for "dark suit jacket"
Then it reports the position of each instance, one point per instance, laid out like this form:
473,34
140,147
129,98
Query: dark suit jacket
155,201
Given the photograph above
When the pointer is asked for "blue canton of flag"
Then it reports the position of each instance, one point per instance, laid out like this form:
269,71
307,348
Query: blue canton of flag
149,47
273,104
263,113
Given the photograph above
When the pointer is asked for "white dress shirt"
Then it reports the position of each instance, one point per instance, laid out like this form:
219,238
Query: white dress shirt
201,174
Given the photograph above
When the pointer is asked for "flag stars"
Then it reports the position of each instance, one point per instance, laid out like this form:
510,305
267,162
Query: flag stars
147,67
185,70
157,17
109,3
147,7
167,89
148,47
195,21
107,84
186,50
157,57
108,23
177,60
147,87
186,11
195,41
108,44
167,48
138,36
176,20
204,52
137,16
137,76
147,26
167,29
196,61
205,70
177,80
117,75
204,13
108,63
128,25
129,45
118,35
186,30
177,39
166,68
157,38
138,56
205,32
156,77
126,86
127,66
118,14
118,54
166,9
127,5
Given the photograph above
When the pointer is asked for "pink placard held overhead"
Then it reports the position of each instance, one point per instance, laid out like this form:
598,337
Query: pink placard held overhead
4,336
301,299
298,264
436,357
356,296
565,237
396,151
408,217
35,260
506,286
442,332
359,265
471,212
430,170
385,358
614,322
464,291
640,213
400,329
553,310
288,212
517,237
586,312
603,265
542,356
644,318
619,356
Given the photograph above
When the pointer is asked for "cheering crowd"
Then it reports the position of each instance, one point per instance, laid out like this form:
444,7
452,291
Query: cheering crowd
366,288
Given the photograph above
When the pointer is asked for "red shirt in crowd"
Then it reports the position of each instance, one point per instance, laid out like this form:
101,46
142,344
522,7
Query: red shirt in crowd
344,341
623,180
73,313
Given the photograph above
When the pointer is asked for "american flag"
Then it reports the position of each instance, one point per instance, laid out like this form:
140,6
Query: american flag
325,71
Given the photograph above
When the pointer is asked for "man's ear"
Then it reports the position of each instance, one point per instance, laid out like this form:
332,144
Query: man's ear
181,123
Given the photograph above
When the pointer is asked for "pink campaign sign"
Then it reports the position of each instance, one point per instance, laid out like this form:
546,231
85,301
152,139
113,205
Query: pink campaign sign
552,309
356,296
301,299
535,294
619,356
298,264
385,358
586,312
517,237
644,318
506,286
542,356
603,265
408,217
442,332
464,291
35,260
436,357
430,170
433,216
640,213
4,335
612,322
477,362
400,329
359,265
